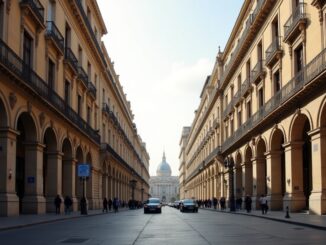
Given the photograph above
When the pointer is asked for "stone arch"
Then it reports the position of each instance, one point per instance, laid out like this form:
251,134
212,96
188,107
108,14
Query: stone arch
67,158
321,118
260,170
248,172
27,148
299,176
238,174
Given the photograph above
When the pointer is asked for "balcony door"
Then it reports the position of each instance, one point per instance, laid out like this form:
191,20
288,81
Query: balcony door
28,50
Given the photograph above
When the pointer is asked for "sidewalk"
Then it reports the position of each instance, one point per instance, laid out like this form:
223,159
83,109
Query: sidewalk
25,220
302,219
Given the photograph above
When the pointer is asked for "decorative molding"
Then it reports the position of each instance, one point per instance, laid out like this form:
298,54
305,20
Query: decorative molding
12,100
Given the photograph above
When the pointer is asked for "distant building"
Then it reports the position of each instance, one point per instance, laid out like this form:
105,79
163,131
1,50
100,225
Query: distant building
163,185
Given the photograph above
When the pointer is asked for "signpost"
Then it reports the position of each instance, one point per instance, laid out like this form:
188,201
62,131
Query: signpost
83,173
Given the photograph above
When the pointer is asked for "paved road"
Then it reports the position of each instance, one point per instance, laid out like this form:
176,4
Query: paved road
170,227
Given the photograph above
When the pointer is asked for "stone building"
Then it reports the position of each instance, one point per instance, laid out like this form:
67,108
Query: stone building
163,185
61,105
260,126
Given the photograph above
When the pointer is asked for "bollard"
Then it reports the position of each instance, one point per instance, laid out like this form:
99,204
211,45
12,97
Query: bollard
287,212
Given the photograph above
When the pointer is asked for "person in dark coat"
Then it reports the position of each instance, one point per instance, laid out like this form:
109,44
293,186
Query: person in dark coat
67,202
110,204
105,205
57,203
248,202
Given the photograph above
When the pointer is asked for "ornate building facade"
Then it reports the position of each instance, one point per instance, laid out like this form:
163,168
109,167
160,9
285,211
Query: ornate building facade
260,126
163,185
61,105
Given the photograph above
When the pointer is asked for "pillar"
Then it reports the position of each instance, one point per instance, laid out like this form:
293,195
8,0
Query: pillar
259,179
69,178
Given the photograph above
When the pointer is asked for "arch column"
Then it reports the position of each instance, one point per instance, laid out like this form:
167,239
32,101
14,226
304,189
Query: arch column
294,196
274,186
34,201
247,178
317,200
69,178
259,179
105,185
9,202
54,179
238,182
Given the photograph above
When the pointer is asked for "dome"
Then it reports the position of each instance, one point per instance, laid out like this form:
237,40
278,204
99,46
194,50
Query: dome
163,168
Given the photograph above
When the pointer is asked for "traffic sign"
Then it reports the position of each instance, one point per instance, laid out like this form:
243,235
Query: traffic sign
83,170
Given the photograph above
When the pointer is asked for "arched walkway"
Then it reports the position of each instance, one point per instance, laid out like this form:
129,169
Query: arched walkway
259,172
238,176
247,170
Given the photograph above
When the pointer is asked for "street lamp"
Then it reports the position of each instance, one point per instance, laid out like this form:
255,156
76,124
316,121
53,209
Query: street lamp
229,163
132,184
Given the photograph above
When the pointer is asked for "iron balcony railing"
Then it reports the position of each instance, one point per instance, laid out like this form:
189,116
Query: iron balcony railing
313,69
82,75
92,89
272,49
36,7
298,14
257,71
12,62
53,32
71,58
90,29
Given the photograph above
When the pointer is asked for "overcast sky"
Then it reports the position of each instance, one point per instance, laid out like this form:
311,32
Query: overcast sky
163,51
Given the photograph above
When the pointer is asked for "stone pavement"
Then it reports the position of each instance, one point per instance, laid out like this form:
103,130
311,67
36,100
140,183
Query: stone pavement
303,219
25,220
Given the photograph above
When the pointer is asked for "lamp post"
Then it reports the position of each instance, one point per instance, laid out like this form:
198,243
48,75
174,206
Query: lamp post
132,184
229,163
142,195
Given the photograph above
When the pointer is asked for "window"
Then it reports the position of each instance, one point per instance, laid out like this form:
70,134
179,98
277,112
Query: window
276,81
275,31
298,59
103,132
89,71
27,50
226,100
248,68
103,95
88,114
67,36
80,56
67,92
79,105
248,109
259,51
239,82
51,74
260,97
89,15
51,10
239,118
226,131
232,126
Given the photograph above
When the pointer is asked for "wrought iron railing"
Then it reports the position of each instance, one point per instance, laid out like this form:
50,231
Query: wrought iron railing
90,29
257,71
92,89
272,49
82,75
313,69
53,32
298,14
12,62
71,58
36,7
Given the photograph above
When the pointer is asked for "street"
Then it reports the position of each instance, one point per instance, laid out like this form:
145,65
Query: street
170,227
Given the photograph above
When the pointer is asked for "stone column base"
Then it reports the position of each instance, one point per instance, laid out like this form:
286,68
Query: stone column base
34,205
275,202
317,203
295,202
255,203
9,204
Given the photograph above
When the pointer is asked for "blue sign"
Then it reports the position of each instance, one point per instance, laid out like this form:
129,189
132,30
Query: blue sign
83,170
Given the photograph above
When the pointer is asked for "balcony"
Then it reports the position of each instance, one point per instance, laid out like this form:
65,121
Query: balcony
273,52
34,9
92,90
291,93
258,72
14,65
71,59
229,108
53,34
82,76
245,87
295,23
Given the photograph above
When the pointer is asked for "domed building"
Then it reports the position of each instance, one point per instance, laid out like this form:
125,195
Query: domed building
163,185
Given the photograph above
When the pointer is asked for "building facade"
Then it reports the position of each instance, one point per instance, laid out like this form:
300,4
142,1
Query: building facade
260,126
61,105
182,159
163,185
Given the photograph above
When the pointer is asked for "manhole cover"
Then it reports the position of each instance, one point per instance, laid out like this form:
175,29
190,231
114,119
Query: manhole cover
75,240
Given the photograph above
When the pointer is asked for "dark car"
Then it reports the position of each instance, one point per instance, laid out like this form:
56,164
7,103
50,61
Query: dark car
189,205
153,205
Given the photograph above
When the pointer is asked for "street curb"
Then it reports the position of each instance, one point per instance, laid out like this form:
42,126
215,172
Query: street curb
53,221
318,227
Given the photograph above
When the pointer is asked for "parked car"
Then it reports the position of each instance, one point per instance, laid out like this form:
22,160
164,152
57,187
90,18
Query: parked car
189,205
176,204
153,205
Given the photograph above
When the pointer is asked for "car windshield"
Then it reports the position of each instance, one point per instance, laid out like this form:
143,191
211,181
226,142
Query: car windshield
153,201
188,201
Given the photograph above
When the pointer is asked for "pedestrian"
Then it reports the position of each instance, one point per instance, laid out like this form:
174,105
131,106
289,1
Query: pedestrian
110,204
263,204
57,203
67,202
215,202
105,205
248,202
116,204
83,206
222,202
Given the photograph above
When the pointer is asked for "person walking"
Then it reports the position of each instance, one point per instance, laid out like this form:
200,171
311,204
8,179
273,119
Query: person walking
57,203
116,204
248,202
105,205
110,204
263,204
67,202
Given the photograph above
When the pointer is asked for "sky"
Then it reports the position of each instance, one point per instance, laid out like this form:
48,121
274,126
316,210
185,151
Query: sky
163,50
